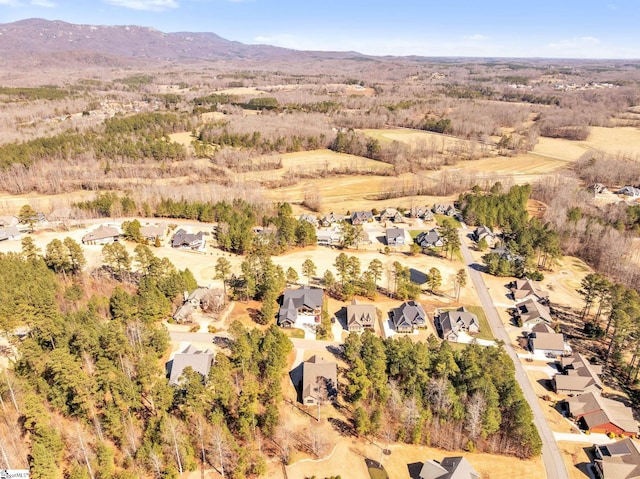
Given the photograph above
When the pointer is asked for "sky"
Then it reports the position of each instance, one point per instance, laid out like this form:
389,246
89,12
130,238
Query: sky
469,28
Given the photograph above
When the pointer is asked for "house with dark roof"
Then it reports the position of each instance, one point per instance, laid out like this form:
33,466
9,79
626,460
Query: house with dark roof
449,468
182,239
200,361
319,380
360,316
305,301
578,376
429,239
525,288
530,312
421,212
394,236
620,460
360,217
630,191
452,323
598,414
408,316
101,235
391,214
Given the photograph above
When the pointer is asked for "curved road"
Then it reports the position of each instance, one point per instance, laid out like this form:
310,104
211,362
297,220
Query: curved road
551,456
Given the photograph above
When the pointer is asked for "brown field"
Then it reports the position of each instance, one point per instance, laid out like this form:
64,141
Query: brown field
625,140
414,137
559,148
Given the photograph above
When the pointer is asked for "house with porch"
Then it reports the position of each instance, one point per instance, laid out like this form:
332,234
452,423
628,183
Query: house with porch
305,301
452,323
578,376
449,468
429,239
408,316
200,361
394,236
361,217
102,235
185,240
319,380
619,460
361,316
530,312
525,288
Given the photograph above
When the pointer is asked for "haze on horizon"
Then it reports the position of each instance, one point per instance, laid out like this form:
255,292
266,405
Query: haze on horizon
492,28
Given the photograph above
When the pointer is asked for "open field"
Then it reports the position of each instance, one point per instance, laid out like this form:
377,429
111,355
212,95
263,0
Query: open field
440,143
620,140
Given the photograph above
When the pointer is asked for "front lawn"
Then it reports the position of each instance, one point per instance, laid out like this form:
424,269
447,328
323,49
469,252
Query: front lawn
442,218
485,329
293,332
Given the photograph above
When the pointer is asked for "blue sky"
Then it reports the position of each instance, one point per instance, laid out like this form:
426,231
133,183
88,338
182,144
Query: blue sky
481,28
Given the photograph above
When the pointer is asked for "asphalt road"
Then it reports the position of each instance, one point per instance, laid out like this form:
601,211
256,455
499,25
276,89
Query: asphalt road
551,456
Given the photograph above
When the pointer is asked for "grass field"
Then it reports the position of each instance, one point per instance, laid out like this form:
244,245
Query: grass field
485,329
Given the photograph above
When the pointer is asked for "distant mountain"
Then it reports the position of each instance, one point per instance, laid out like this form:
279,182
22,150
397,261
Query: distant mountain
37,41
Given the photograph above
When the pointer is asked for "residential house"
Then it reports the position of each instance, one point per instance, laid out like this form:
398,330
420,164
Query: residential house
449,468
408,316
394,236
329,237
620,460
630,191
578,376
10,233
598,414
309,219
530,312
361,217
429,239
319,380
421,212
452,323
182,239
206,299
549,344
484,232
154,232
525,288
102,235
199,361
444,209
360,316
305,301
331,219
8,220
391,214
598,188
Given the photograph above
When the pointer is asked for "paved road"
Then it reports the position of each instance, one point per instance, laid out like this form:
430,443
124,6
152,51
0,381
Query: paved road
551,456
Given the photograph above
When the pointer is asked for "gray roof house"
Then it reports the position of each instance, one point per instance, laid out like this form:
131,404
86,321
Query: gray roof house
359,217
200,298
200,362
422,212
620,460
182,239
442,209
360,316
309,219
394,236
305,301
578,376
329,237
631,191
10,233
408,316
429,239
484,232
101,235
452,323
319,376
531,313
449,468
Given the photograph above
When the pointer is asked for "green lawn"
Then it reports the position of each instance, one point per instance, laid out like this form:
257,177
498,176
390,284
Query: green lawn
293,332
440,218
376,473
485,329
414,233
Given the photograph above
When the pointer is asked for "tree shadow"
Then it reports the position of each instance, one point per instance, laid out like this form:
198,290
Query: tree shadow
336,351
254,314
344,428
417,276
414,469
478,267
